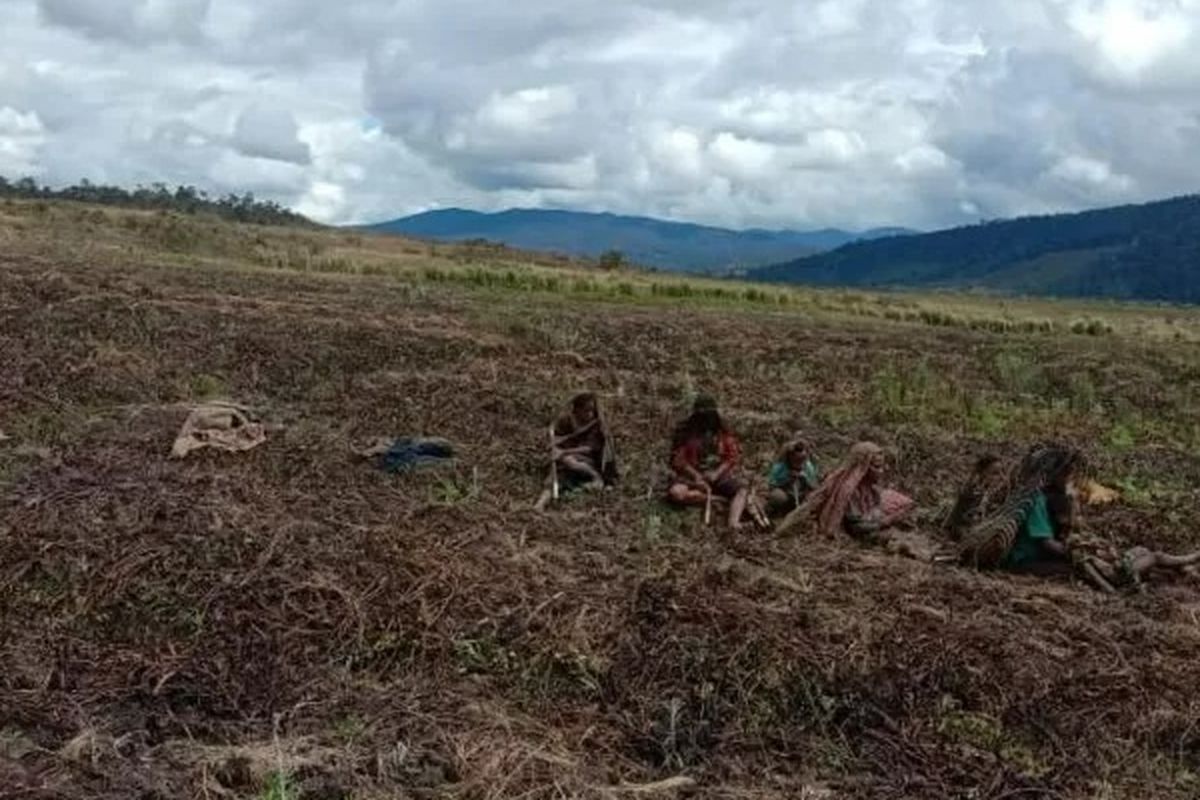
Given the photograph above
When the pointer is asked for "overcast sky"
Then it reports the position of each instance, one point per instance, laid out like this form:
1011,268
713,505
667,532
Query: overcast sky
796,113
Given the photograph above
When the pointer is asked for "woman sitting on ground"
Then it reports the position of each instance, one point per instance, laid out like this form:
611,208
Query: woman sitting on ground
978,497
791,478
705,455
1027,529
581,450
852,499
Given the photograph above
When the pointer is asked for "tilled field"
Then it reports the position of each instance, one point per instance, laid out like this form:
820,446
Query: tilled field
290,622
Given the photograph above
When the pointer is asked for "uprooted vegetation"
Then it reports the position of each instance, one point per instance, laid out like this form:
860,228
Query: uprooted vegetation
289,622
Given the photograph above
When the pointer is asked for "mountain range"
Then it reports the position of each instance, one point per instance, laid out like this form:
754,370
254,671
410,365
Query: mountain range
676,246
1144,252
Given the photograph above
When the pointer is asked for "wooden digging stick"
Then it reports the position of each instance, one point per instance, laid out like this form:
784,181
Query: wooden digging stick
759,514
707,505
553,466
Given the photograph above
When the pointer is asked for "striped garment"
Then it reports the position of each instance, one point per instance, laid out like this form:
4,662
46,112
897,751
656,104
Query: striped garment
988,539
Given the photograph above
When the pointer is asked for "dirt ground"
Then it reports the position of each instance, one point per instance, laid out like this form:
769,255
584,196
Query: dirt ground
293,623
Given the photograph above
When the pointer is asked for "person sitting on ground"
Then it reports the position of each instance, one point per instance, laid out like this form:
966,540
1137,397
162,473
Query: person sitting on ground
978,497
852,499
1113,572
581,450
791,478
1028,530
705,455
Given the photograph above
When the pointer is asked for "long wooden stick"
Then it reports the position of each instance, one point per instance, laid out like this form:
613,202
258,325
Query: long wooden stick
553,465
759,515
707,505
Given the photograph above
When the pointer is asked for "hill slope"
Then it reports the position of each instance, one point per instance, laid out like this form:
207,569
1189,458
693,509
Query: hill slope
1134,252
225,625
650,242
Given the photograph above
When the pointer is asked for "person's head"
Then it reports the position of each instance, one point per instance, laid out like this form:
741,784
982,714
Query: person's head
1056,464
989,469
871,457
796,454
705,416
1062,478
583,407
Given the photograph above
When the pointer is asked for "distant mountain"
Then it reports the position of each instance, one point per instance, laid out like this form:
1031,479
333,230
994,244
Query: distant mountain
1146,252
649,242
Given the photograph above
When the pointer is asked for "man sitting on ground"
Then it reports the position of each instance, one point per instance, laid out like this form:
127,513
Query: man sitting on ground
582,454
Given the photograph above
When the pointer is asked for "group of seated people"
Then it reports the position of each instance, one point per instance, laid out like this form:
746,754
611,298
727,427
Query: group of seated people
1019,519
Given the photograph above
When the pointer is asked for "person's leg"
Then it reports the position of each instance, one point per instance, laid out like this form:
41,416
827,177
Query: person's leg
779,503
737,507
684,495
1175,562
583,468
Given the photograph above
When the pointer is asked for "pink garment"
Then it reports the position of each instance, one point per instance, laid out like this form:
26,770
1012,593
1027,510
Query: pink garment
840,488
895,506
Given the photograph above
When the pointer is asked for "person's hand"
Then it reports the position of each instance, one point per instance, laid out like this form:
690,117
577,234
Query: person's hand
711,475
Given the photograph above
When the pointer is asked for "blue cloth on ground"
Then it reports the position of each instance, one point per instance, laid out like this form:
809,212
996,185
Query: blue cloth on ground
413,452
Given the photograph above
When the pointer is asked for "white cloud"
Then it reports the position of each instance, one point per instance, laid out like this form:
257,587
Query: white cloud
771,112
528,110
21,136
1133,35
1089,174
265,131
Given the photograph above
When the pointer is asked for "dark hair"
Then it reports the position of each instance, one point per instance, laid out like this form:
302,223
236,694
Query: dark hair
704,418
986,462
582,400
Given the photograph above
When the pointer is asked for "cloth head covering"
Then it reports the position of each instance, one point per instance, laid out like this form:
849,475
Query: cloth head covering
987,542
829,502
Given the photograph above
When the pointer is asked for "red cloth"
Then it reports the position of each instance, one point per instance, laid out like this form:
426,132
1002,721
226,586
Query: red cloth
690,453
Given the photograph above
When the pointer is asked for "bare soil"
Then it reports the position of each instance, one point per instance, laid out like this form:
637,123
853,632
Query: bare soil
188,629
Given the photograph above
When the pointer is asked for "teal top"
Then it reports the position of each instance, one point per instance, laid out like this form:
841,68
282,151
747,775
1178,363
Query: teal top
780,475
1036,529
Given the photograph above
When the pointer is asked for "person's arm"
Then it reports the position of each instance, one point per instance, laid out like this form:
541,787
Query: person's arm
810,476
730,454
565,433
1054,547
681,463
1040,528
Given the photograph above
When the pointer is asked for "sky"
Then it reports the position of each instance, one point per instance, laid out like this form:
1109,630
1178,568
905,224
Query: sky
774,113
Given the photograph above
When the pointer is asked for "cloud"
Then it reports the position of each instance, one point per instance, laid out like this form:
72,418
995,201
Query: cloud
774,112
264,131
21,137
132,21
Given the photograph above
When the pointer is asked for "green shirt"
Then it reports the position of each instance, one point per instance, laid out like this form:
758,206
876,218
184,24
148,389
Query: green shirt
1036,529
780,475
